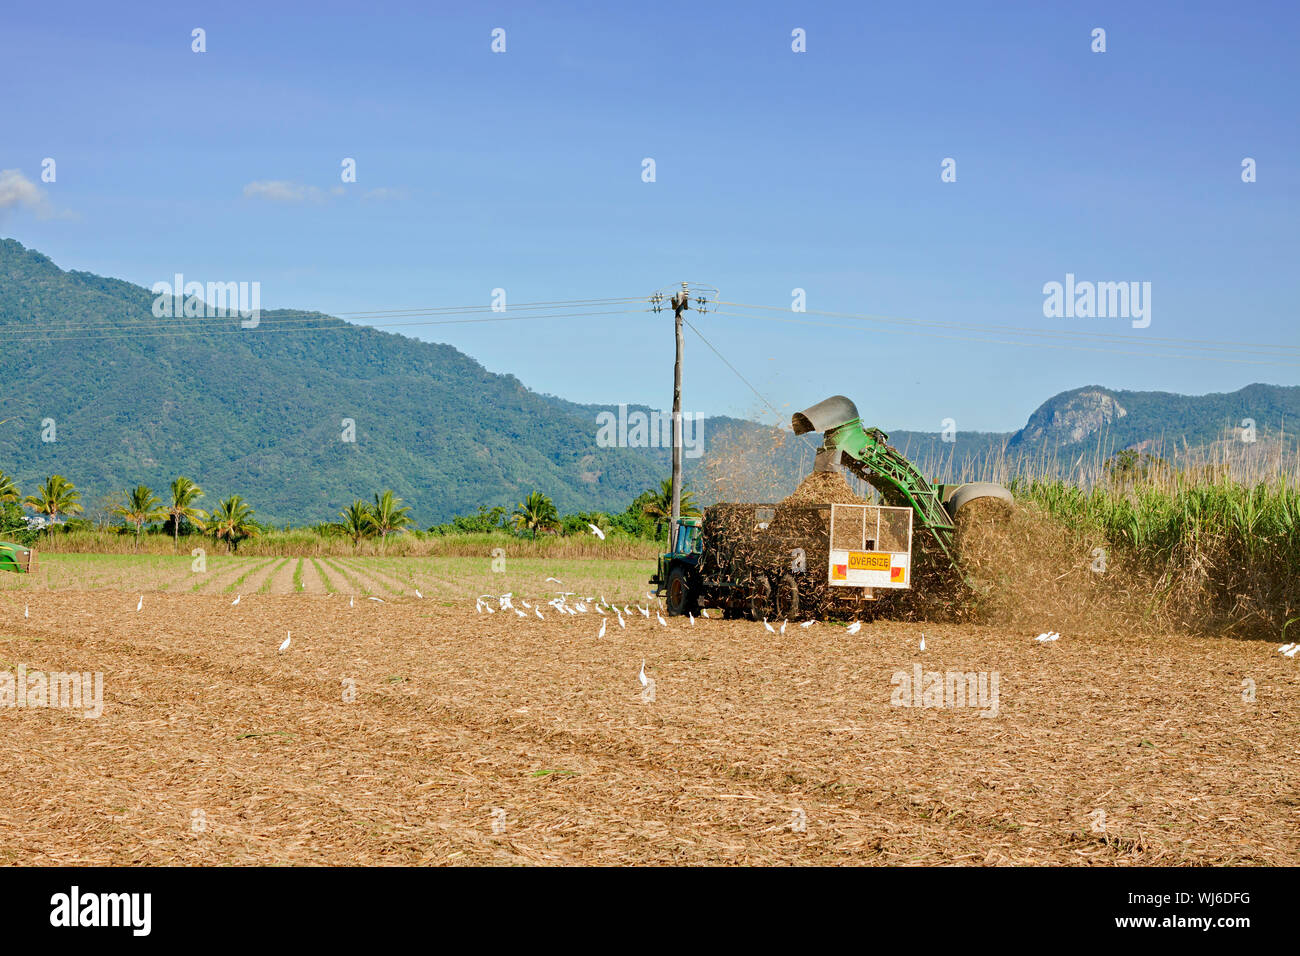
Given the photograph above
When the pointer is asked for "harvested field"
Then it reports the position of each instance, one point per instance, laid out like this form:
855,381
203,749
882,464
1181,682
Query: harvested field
312,582
458,715
282,581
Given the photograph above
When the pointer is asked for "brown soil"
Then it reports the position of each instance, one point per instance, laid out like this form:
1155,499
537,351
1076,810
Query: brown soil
331,577
282,583
215,581
253,583
311,579
457,715
348,573
385,585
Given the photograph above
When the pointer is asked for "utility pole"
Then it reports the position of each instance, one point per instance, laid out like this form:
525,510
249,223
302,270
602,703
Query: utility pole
706,296
679,302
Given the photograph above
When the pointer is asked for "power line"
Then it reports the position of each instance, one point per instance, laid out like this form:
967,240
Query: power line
1026,331
762,398
269,325
1147,352
735,371
185,323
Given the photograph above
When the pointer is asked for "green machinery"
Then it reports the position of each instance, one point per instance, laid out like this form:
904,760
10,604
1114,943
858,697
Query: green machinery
698,565
866,452
16,557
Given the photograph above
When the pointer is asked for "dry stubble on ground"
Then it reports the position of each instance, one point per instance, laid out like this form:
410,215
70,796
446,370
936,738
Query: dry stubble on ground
418,731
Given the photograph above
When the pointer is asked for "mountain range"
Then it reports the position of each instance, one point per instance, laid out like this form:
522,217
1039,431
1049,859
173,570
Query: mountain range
301,421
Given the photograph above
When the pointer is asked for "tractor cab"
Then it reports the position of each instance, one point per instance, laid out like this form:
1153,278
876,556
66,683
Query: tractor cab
16,557
685,550
688,537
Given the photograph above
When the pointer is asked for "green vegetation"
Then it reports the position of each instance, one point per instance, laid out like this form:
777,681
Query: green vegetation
356,522
261,411
141,507
441,578
57,497
182,511
535,527
13,525
659,505
388,515
214,405
232,522
1212,546
536,512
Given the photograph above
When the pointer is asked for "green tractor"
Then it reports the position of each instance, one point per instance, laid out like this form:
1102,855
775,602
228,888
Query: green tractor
16,557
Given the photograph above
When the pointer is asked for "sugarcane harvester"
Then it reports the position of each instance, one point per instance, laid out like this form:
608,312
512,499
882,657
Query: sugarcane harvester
793,558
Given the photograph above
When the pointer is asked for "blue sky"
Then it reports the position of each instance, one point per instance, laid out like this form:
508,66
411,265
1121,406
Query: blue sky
775,170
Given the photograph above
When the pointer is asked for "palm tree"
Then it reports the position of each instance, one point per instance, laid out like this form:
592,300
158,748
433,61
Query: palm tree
141,507
184,494
57,496
659,505
388,515
536,512
232,520
357,523
8,490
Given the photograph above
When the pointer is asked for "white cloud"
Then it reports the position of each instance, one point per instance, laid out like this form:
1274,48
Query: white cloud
19,192
281,190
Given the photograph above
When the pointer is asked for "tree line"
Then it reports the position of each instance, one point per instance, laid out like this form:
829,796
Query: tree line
233,521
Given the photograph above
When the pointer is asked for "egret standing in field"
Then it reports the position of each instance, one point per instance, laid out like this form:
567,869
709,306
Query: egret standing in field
285,646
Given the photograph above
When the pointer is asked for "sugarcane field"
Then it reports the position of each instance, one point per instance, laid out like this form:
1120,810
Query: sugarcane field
466,465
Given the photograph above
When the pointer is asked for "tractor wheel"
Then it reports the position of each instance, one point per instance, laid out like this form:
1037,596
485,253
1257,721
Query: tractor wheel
681,600
787,597
760,598
998,498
